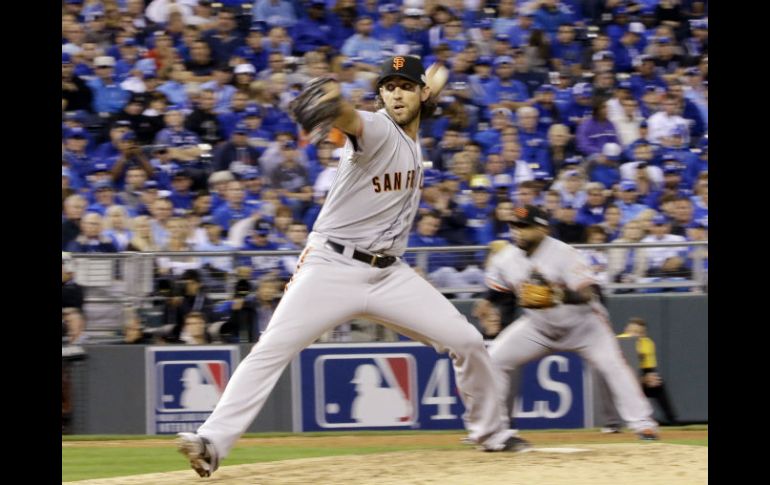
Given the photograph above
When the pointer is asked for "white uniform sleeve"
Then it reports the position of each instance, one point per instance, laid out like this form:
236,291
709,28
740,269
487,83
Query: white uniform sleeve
493,276
578,272
376,128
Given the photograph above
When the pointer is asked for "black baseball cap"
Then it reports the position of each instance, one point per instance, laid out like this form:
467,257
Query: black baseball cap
529,215
408,67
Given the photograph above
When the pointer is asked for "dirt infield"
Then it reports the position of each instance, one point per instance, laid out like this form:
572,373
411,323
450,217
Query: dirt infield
558,459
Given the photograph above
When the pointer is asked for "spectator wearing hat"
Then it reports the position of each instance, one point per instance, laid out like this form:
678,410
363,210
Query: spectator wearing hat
415,34
701,201
627,201
108,96
291,180
547,111
452,34
435,198
581,107
76,94
91,239
484,86
604,166
566,51
144,127
253,186
158,11
258,239
236,151
75,157
491,137
274,12
130,154
181,196
104,196
478,211
363,46
253,51
571,185
600,43
203,120
388,29
697,44
594,132
694,91
667,55
628,47
509,92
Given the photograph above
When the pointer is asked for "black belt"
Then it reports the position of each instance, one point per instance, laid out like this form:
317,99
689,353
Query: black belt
378,260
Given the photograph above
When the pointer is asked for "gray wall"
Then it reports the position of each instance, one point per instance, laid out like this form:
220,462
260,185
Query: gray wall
110,384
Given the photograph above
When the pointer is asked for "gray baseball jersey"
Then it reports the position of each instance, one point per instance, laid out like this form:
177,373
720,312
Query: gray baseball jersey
374,199
582,328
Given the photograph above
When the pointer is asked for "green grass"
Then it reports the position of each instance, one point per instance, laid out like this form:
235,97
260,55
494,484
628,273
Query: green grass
82,463
86,463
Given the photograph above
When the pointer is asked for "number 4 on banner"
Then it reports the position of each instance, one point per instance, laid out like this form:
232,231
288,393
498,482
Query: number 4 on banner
437,391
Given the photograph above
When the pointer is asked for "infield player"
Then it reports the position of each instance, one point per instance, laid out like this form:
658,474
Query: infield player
562,312
352,266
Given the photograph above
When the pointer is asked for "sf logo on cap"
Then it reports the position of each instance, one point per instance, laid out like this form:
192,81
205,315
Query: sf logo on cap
398,62
520,212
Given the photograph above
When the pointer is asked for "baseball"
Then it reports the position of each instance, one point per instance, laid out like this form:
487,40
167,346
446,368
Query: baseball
437,77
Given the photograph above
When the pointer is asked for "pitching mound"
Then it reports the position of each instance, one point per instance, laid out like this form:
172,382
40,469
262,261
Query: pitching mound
589,464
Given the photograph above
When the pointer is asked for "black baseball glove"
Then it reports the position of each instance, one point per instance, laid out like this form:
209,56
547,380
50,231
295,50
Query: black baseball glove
313,113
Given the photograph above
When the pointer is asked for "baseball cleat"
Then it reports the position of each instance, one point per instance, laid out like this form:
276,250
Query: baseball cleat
611,429
514,443
647,435
201,453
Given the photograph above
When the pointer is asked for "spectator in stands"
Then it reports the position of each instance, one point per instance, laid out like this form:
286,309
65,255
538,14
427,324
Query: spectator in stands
131,196
76,95
274,12
593,133
74,207
291,179
627,265
116,226
363,46
194,331
603,167
224,39
203,120
201,64
109,97
236,151
161,211
239,315
611,223
566,228
258,239
478,212
497,227
559,148
182,144
683,212
628,195
73,322
663,122
130,154
592,211
178,232
597,258
142,238
664,261
91,239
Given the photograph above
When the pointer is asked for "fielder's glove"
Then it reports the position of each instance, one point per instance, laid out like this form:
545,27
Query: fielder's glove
313,113
534,295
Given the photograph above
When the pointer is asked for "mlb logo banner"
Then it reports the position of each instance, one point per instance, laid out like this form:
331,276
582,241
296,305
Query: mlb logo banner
184,385
408,385
553,393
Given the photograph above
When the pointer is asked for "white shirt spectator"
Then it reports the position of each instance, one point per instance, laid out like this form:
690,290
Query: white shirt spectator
661,125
